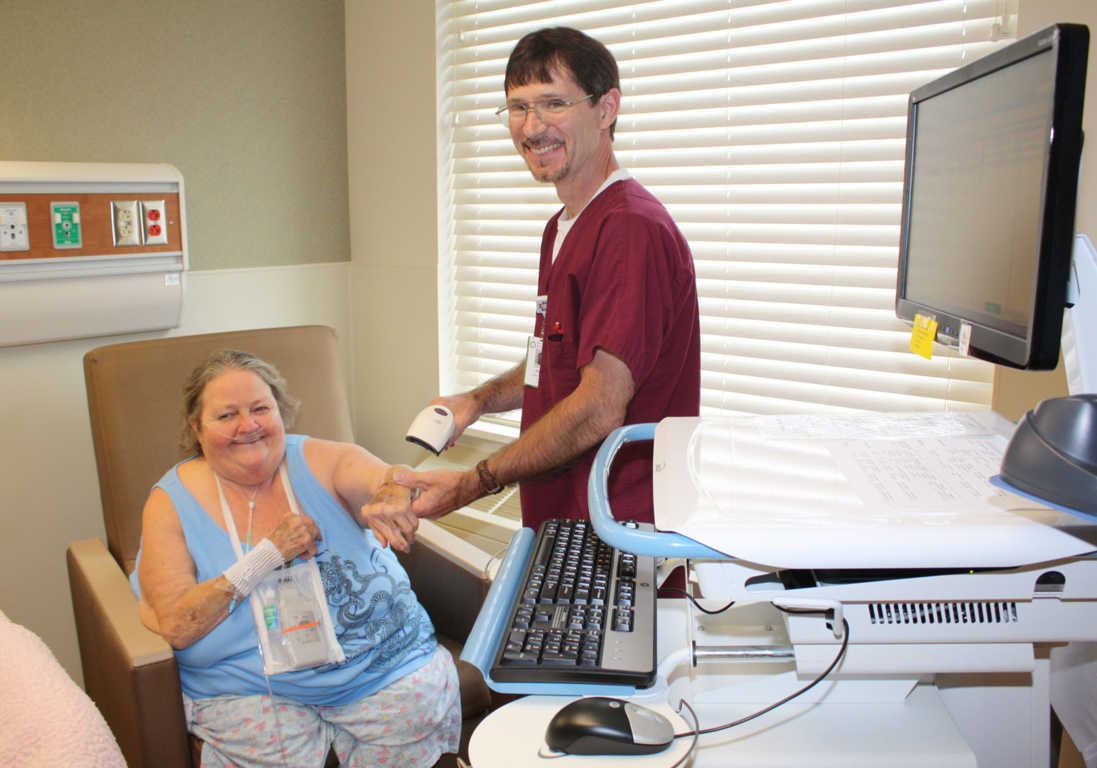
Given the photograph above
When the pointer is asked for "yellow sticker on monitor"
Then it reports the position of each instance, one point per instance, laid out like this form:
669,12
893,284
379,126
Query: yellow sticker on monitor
922,335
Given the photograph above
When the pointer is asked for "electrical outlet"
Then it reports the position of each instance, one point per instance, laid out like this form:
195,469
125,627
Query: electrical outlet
13,227
125,222
154,215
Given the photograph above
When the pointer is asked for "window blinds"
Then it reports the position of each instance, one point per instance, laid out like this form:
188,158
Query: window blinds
774,133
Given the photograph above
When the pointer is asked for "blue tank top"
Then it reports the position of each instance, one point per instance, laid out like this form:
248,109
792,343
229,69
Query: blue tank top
383,630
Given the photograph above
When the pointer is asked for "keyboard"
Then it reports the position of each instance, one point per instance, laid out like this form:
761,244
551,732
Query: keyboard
585,612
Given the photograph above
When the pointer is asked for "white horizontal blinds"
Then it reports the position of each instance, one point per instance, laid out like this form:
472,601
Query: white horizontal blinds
774,133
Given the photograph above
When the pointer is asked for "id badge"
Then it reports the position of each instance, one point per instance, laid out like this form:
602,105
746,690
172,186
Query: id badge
533,346
533,362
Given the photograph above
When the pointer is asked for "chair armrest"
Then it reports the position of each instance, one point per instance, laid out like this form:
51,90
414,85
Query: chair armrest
448,576
129,672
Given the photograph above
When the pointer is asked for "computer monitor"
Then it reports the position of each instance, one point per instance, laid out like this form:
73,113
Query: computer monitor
989,190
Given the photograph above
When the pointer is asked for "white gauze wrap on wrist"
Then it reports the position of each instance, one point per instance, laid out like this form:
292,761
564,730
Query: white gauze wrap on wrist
247,572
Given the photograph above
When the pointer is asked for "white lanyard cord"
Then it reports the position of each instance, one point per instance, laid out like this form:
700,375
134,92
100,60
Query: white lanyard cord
230,522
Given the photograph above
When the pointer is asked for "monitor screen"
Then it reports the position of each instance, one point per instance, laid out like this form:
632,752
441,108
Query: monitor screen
989,191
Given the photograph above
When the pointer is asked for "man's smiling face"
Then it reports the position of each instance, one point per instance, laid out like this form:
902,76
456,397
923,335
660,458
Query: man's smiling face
554,147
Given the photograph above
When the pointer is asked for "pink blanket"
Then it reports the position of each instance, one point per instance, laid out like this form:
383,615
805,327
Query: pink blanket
45,718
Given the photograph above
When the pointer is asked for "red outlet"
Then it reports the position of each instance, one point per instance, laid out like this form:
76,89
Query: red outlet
152,214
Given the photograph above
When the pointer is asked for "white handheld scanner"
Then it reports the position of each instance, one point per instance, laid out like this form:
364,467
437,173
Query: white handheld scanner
433,428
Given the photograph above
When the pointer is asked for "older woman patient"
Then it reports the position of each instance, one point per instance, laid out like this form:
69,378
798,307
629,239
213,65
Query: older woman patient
393,698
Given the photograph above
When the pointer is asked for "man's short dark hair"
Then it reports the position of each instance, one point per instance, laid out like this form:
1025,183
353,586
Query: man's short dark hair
588,61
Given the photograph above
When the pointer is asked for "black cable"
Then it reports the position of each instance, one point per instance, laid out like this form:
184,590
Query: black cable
693,600
696,732
827,613
838,657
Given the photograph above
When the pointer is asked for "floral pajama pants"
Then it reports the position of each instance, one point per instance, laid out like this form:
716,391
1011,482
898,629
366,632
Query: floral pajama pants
411,722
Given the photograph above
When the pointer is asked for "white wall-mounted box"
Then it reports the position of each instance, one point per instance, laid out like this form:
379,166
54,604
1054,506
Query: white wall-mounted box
94,284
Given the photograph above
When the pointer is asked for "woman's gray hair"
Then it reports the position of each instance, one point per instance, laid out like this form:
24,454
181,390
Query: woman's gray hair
214,366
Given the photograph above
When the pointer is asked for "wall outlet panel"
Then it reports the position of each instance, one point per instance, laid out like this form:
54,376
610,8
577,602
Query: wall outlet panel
13,227
87,271
96,224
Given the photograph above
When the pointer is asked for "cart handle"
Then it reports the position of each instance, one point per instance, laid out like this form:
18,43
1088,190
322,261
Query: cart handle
653,543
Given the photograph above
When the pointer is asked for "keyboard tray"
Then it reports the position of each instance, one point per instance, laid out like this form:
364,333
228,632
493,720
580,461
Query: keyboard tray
585,613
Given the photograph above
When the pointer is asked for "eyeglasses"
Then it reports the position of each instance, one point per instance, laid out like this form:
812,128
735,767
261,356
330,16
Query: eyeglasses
545,110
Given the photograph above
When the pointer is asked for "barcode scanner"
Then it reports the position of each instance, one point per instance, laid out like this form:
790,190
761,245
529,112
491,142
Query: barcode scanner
433,428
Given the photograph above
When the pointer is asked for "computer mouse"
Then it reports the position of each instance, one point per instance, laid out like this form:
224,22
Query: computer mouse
1052,454
599,725
432,428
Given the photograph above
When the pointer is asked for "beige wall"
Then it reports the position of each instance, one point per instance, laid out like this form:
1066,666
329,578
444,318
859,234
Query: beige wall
1016,392
247,99
391,164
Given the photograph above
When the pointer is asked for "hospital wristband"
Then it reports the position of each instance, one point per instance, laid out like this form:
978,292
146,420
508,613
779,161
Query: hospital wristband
246,573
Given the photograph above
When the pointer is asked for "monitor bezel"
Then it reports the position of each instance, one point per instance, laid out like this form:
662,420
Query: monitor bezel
1038,349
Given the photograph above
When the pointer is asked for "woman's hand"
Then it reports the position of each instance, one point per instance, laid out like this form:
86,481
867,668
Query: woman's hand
296,536
388,514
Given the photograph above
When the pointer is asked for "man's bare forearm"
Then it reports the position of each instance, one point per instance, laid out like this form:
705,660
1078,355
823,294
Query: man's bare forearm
501,393
573,426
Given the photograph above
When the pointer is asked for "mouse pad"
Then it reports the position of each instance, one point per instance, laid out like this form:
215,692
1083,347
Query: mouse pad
511,736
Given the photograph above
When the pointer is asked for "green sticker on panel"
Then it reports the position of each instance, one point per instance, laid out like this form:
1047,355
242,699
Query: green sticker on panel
66,225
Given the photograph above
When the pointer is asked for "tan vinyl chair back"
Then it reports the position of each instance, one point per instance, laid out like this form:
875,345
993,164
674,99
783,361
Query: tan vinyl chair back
135,396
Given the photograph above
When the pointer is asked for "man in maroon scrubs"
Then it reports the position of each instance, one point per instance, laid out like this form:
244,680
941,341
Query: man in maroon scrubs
616,336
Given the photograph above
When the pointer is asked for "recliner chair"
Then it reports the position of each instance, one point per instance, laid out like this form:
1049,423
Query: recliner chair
134,401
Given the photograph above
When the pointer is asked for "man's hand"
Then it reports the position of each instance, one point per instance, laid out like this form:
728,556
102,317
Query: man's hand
499,394
390,517
440,491
465,411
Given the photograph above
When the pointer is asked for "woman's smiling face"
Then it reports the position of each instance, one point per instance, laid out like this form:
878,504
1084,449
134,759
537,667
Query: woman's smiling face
240,427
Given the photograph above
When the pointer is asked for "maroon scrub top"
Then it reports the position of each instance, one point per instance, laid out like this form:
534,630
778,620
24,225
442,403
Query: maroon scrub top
623,281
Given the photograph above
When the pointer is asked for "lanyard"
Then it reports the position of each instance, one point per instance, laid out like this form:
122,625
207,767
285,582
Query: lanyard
294,595
230,522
